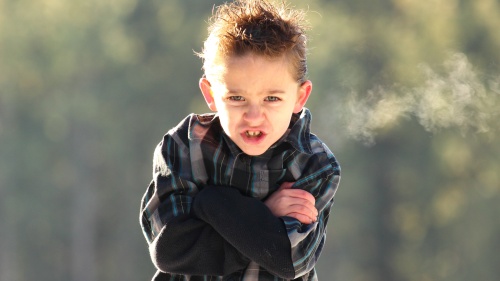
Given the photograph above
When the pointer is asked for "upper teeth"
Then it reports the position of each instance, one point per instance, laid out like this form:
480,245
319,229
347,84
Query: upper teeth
253,133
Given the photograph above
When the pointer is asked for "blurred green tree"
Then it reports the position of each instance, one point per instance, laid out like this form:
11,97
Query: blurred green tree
88,88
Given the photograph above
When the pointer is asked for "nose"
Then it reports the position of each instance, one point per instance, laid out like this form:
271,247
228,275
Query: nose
253,114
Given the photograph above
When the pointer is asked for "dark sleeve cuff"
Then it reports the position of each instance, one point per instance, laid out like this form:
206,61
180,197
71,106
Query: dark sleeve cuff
248,225
190,246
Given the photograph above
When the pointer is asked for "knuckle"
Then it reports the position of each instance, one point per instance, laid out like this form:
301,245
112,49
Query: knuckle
304,209
307,195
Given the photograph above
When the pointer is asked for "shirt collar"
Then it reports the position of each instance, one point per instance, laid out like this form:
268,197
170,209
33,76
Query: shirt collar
299,134
212,121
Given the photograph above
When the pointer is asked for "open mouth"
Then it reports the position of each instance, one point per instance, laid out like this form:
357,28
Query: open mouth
253,134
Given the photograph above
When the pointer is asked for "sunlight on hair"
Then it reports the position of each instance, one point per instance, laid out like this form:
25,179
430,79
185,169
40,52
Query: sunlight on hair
257,27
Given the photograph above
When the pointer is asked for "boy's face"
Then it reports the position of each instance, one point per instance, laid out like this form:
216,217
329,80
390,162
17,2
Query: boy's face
255,98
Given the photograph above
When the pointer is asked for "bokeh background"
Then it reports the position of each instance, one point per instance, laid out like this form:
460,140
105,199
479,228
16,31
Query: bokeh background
406,94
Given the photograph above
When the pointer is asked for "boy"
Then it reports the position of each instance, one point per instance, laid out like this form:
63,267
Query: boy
243,193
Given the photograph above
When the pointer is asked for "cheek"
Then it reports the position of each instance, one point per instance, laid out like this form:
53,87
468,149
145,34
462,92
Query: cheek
227,121
279,120
283,113
283,125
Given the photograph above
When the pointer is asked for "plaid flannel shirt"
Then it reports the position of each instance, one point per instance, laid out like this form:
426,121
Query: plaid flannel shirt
197,153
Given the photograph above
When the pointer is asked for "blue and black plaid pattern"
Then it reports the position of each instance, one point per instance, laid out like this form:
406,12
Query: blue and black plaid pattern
197,153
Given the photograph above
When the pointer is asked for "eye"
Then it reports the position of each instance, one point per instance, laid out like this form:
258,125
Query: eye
272,98
236,98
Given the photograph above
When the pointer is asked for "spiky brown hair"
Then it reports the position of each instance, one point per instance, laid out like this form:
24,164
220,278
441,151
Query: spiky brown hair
258,27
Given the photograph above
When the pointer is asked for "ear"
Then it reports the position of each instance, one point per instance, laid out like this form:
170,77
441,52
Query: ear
206,90
304,93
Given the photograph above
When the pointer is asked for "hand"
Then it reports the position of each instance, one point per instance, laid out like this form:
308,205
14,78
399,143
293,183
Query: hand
295,203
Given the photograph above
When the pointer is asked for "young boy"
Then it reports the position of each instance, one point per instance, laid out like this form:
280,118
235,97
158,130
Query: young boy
243,193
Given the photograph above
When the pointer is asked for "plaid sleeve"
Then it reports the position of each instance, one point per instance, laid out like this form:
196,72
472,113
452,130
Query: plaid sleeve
178,242
321,178
169,194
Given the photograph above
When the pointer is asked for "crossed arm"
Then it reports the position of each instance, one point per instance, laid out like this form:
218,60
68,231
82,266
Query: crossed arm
219,231
225,230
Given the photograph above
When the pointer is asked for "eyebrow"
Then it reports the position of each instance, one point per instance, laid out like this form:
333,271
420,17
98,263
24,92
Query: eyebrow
274,92
267,92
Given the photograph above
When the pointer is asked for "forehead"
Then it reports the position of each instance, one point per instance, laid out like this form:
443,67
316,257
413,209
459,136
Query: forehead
250,66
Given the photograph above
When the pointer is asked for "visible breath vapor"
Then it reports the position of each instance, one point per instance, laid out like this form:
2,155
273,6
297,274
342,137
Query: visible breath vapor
454,97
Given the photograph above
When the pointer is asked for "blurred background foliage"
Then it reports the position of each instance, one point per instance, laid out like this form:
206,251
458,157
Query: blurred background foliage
406,94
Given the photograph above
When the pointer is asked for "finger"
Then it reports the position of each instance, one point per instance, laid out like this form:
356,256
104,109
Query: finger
299,206
301,218
298,202
306,210
299,193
